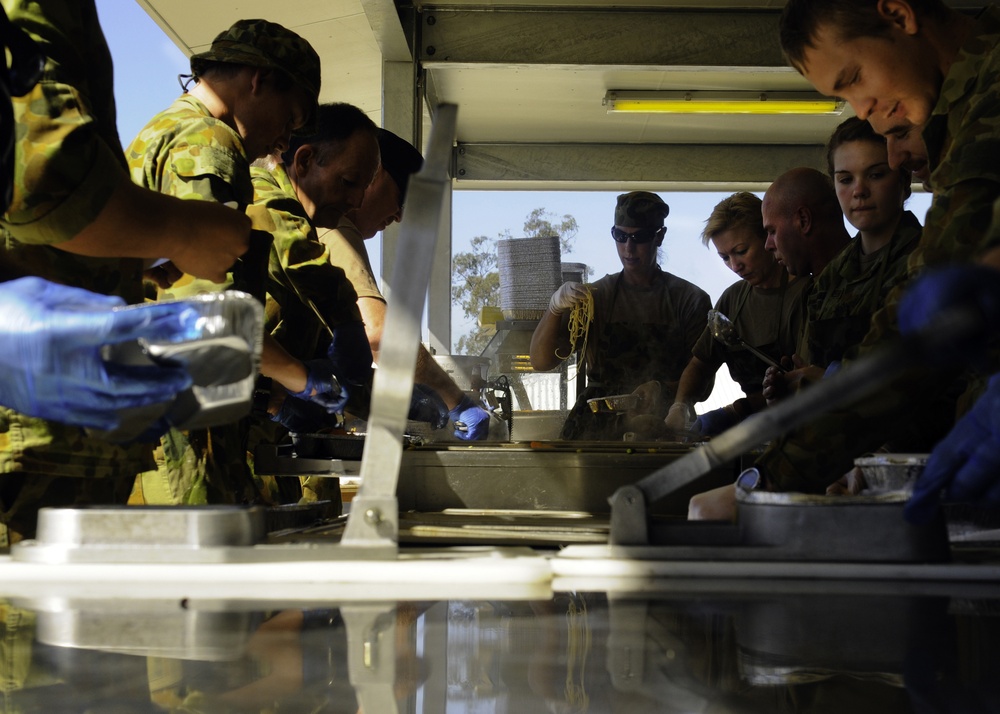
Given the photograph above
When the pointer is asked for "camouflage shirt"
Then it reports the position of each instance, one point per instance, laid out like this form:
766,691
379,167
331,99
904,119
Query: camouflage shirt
68,163
186,152
963,143
769,319
850,289
299,270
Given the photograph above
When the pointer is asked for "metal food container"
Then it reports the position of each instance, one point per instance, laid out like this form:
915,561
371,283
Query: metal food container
885,473
614,403
220,349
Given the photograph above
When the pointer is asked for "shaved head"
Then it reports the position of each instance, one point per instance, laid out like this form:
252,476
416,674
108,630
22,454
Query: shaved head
802,218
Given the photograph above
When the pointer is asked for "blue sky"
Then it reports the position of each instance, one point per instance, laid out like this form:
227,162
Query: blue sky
146,67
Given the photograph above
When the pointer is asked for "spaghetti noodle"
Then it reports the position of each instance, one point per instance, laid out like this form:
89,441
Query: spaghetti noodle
580,318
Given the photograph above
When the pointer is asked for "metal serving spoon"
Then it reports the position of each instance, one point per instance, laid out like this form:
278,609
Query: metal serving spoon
725,332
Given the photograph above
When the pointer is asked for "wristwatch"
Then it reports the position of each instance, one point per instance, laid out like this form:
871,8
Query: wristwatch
749,480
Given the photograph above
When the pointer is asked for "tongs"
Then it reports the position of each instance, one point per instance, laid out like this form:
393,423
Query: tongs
725,332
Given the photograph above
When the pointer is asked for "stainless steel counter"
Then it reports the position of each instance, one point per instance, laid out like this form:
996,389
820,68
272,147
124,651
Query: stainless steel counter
547,475
662,646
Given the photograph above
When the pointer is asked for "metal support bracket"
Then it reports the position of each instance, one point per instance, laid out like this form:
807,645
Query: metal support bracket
374,511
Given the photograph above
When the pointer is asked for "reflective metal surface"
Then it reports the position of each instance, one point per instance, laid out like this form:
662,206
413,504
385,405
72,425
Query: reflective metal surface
654,646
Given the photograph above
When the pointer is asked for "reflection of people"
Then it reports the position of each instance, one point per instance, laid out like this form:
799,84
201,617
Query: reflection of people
383,205
645,323
76,219
765,307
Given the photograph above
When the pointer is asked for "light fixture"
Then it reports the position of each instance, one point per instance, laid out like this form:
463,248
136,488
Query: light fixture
713,102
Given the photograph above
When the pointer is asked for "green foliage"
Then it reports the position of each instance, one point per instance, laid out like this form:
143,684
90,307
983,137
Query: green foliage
475,280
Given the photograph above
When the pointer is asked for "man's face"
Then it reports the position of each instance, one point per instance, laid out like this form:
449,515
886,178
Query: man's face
906,150
334,182
639,258
380,206
784,236
267,117
892,81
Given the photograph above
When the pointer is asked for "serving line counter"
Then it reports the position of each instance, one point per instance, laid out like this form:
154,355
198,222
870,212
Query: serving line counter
504,631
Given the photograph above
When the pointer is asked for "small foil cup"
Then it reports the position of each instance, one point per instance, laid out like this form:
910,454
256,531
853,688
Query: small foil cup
885,473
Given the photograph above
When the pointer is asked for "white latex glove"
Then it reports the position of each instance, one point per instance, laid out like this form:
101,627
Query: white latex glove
566,297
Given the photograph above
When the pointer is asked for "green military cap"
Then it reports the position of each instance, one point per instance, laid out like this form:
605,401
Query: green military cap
259,43
640,209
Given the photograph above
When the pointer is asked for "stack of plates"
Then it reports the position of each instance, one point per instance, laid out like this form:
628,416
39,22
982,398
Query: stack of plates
573,272
530,271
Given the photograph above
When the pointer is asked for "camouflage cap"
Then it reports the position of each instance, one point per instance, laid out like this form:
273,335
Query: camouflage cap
259,43
399,159
640,209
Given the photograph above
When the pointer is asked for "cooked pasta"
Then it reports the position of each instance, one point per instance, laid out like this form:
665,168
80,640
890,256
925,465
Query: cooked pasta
580,318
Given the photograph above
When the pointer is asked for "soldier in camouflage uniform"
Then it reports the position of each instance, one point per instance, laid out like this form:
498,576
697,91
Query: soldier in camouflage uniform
256,85
383,205
766,306
928,67
322,176
645,322
76,219
857,281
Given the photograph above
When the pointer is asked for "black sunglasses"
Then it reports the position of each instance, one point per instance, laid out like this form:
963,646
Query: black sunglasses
642,236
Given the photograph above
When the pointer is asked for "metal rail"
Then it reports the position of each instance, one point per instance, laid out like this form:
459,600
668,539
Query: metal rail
374,521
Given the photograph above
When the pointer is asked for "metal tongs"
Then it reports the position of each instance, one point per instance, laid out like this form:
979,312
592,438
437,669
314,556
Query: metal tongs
725,332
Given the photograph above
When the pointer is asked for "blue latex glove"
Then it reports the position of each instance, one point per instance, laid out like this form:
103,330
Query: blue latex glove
937,294
50,352
472,422
715,421
348,364
302,417
323,387
965,465
427,406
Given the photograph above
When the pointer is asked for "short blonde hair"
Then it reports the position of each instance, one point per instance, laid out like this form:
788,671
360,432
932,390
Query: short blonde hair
742,209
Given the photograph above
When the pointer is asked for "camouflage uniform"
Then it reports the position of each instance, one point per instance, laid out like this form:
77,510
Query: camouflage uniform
188,153
963,143
769,319
348,252
299,270
850,289
68,163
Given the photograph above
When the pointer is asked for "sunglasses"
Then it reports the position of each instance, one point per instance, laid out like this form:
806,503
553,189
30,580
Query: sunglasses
642,236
